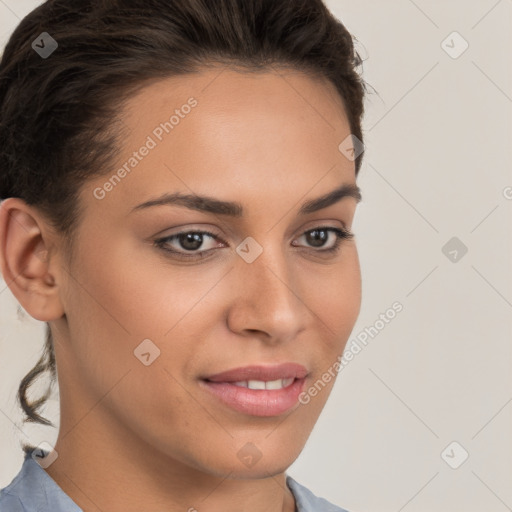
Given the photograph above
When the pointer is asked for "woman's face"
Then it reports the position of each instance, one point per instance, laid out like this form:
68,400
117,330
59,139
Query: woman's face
144,327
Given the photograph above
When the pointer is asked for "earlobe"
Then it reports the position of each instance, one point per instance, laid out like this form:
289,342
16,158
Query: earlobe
25,261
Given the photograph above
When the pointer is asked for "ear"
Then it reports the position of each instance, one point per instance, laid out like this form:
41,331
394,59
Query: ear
25,248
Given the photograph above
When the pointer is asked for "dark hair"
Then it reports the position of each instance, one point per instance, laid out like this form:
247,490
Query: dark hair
59,116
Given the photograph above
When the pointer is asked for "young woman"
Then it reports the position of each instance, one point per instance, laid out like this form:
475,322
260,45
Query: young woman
179,183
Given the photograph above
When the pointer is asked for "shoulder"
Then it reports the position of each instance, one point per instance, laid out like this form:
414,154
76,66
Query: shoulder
10,502
33,490
309,502
9,495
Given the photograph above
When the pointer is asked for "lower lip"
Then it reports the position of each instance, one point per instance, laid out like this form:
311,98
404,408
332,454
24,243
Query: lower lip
256,402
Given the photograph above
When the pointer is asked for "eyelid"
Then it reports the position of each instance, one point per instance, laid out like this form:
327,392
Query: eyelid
325,223
188,228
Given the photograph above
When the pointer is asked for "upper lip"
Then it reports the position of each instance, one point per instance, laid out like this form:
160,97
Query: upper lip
258,372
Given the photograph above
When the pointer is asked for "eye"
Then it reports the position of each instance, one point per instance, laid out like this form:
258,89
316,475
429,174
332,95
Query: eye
318,236
190,241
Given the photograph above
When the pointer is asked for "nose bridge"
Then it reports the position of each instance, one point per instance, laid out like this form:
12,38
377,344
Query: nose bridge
265,264
266,289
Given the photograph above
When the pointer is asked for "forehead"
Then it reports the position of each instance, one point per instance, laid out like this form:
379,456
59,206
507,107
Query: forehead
228,87
222,132
239,106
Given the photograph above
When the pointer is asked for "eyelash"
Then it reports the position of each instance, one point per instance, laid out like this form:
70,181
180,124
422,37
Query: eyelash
341,234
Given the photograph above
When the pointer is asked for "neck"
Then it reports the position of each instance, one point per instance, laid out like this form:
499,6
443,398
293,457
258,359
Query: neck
101,471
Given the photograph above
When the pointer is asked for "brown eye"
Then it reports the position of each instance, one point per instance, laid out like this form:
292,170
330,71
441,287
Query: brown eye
187,243
319,236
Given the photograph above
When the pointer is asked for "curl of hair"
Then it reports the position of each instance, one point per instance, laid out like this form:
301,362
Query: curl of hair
46,363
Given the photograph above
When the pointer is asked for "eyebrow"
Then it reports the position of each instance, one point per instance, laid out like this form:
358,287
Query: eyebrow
235,209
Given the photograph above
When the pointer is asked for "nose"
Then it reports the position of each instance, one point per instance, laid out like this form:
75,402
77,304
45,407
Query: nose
266,299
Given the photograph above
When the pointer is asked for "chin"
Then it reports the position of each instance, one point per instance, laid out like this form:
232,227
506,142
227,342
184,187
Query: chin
260,470
236,467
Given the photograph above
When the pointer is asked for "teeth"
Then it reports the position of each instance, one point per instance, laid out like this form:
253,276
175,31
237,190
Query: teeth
255,384
260,384
274,384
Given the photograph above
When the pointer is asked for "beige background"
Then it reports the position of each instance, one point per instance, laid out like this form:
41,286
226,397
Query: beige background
438,163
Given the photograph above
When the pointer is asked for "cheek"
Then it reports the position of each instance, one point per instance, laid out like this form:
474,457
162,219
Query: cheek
135,291
337,308
131,296
350,290
122,303
336,297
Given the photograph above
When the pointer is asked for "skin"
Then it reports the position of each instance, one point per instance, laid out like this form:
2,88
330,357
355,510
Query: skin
135,437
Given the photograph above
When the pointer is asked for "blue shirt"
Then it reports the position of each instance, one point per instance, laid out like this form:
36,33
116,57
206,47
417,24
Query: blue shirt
34,490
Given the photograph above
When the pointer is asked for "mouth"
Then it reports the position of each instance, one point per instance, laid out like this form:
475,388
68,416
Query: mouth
258,390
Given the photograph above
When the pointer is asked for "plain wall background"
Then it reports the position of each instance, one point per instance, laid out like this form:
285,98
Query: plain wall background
438,163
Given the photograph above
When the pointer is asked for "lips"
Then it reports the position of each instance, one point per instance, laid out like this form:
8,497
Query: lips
258,390
261,373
